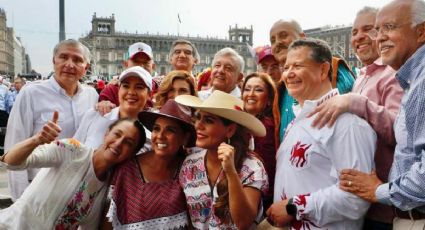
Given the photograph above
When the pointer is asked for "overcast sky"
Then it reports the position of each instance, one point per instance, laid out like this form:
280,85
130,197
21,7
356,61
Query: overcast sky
37,21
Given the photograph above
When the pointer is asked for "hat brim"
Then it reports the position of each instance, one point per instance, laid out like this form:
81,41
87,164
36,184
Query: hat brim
240,117
148,120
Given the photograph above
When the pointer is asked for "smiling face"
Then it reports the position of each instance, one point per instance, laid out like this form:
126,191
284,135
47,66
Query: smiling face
303,76
398,44
167,137
255,96
282,34
133,94
225,74
365,48
211,131
120,142
70,65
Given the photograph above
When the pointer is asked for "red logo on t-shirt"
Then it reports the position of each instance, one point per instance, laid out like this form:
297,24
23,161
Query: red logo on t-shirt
298,157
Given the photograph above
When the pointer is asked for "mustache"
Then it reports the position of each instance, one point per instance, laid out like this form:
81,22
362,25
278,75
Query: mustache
281,47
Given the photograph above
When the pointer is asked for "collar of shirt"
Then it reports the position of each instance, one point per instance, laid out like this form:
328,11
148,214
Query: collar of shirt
113,115
309,105
55,85
369,69
415,61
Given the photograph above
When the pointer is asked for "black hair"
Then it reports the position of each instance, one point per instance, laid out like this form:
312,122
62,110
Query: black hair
320,51
138,125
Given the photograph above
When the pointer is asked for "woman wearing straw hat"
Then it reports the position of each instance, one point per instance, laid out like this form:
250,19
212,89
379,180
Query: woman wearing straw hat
146,193
223,183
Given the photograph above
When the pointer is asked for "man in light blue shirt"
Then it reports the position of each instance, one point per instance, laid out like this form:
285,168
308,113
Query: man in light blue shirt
3,97
400,33
18,83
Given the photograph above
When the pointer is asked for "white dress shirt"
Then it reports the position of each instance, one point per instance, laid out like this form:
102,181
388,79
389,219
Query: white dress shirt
308,164
34,107
204,94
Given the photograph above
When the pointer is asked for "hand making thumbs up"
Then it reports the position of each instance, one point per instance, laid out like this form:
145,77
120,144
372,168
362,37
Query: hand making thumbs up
50,130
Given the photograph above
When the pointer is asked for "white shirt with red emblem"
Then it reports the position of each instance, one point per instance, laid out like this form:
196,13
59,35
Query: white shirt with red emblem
308,164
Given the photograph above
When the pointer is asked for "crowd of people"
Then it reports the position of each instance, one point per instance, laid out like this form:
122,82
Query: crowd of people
303,143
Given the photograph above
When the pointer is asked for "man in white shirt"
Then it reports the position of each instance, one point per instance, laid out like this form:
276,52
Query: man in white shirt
226,73
36,103
306,192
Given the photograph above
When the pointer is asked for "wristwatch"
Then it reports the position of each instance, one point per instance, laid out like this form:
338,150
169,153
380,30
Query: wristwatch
291,208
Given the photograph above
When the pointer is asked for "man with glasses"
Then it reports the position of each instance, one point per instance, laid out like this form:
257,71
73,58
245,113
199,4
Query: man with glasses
375,97
36,103
400,33
268,63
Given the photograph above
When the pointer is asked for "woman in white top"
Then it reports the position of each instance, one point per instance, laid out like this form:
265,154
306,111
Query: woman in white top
70,189
135,84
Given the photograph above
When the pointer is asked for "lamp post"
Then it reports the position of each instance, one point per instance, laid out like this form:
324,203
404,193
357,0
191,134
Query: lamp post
61,20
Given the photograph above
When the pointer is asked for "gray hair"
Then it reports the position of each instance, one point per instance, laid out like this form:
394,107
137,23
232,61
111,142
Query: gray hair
294,24
229,52
195,52
73,43
367,9
418,12
320,51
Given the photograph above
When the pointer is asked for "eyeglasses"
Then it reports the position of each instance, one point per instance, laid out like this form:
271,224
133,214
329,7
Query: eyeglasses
385,29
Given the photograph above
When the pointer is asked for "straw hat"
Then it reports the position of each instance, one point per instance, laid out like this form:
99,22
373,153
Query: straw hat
226,106
173,111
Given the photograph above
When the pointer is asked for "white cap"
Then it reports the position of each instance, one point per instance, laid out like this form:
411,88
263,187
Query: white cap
137,71
139,47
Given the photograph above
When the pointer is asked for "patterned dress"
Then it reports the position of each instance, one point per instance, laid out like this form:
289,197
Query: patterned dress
201,195
66,194
137,204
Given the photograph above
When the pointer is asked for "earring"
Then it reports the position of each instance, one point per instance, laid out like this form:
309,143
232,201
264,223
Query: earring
228,141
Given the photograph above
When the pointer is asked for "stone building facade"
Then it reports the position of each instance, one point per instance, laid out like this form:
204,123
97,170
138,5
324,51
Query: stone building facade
339,39
13,58
6,46
108,47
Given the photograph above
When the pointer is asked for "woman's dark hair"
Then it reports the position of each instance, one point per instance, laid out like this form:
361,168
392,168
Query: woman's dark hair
181,153
240,141
138,125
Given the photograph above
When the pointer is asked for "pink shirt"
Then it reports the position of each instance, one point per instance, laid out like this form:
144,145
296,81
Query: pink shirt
376,97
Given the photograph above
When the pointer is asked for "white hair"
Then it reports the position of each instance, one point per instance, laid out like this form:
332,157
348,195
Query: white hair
367,9
418,12
294,24
229,52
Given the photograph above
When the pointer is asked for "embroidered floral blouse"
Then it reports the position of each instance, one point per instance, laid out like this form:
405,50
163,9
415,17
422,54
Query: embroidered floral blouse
200,195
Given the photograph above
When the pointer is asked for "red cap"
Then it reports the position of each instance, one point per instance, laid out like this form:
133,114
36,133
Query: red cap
264,52
100,84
